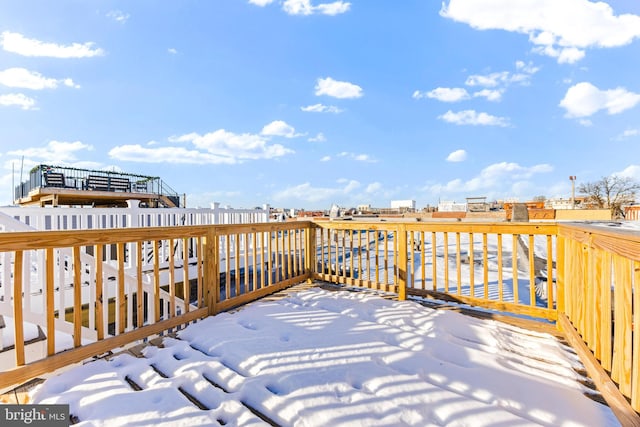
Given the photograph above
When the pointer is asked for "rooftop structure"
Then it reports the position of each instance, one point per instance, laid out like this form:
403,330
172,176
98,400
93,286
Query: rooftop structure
61,185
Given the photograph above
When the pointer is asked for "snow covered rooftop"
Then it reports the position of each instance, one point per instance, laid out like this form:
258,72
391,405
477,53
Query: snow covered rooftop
319,358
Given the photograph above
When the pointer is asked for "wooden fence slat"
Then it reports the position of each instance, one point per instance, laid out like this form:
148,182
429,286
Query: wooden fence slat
121,301
423,261
560,274
50,309
200,272
186,285
514,267
100,311
606,323
172,279
635,361
245,240
597,287
77,297
227,266
458,266
156,280
236,262
622,355
254,264
485,265
500,267
18,318
551,295
434,258
402,263
139,292
446,261
472,267
532,271
590,298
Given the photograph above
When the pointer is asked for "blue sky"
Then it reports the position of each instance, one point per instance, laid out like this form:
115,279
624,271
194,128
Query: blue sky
303,103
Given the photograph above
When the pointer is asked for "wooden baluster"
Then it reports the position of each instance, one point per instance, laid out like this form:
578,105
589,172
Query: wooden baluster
18,318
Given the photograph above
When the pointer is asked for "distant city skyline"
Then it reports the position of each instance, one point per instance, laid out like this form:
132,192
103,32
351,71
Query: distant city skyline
303,104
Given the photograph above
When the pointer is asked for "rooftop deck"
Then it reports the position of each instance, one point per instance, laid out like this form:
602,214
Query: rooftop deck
323,356
579,278
59,185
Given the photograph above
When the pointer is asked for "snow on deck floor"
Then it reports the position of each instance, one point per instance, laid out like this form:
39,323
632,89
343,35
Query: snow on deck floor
318,358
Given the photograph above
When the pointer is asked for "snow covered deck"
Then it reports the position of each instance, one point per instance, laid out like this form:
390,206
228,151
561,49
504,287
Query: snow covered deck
319,358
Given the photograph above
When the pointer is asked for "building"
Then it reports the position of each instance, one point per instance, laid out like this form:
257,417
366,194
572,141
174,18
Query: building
404,205
451,206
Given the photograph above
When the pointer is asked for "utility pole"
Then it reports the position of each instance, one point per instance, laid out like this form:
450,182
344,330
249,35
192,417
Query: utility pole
573,191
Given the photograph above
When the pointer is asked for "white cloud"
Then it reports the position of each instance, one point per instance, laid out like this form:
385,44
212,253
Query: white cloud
568,55
304,7
174,155
374,187
585,122
471,117
444,94
490,94
457,156
318,138
503,176
298,7
494,83
325,159
337,89
23,78
18,99
357,157
172,51
631,171
17,43
585,99
504,78
57,152
335,8
320,108
527,67
629,133
592,24
279,128
218,147
488,80
307,193
118,16
261,3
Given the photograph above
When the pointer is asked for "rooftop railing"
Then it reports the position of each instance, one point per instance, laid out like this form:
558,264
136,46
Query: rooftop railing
49,176
583,278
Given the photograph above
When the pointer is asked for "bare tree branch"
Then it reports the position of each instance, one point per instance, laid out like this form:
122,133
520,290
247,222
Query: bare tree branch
611,192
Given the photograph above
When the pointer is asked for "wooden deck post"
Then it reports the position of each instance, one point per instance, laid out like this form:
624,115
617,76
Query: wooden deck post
211,275
310,252
402,262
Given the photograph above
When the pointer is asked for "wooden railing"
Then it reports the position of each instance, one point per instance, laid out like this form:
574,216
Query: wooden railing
470,263
584,278
601,272
104,302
